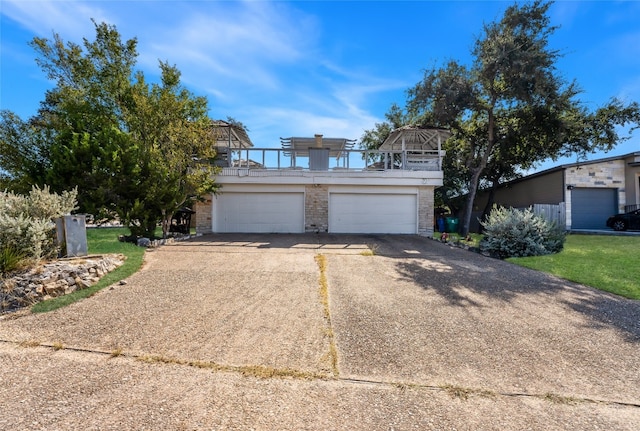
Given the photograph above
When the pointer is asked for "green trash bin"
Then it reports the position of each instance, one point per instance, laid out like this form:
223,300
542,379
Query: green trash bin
452,224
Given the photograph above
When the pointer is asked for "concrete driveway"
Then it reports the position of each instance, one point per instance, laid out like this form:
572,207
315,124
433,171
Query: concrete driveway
307,332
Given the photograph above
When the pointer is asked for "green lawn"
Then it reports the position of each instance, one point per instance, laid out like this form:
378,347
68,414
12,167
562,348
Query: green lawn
605,262
608,263
101,241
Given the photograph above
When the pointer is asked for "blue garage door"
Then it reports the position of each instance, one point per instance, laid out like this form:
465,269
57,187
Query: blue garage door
590,208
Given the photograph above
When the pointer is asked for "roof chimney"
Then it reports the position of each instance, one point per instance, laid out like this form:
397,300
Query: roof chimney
318,140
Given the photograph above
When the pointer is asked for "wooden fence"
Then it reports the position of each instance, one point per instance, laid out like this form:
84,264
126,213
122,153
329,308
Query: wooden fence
553,213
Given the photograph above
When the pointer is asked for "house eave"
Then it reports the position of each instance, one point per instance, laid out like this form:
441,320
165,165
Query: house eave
389,177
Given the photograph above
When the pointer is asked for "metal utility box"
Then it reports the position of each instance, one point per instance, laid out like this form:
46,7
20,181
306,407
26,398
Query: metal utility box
319,159
72,235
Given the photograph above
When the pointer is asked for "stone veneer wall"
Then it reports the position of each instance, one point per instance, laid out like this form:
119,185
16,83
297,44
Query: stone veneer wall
610,174
316,208
425,211
203,215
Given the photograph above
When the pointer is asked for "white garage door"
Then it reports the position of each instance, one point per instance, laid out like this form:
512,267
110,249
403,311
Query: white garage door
259,212
373,213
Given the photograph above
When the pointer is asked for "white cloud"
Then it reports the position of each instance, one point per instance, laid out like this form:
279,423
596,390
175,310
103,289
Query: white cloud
263,63
267,123
244,42
70,19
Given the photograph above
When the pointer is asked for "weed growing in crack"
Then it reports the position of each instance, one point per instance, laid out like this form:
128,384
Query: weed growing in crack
116,352
321,260
30,343
559,399
464,393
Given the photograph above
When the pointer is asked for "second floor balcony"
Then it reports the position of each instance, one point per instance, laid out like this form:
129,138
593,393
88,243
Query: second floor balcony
327,160
408,152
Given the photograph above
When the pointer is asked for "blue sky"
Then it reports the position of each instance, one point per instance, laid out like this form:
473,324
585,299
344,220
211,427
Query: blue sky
296,68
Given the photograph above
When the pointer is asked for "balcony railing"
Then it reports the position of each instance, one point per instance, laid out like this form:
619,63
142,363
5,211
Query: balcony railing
319,159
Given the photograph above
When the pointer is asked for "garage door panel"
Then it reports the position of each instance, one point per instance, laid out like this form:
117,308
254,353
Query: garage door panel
590,207
373,213
260,212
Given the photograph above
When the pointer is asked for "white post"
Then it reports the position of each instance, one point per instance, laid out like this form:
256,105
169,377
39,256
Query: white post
439,152
404,154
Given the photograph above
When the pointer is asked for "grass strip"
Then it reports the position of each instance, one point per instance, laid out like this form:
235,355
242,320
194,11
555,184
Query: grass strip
100,241
608,263
259,371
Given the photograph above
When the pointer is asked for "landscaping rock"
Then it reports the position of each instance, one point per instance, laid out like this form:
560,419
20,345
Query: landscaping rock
53,279
144,242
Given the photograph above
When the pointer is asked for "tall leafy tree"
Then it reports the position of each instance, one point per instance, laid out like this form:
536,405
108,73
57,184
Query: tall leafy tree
171,127
135,149
23,153
372,139
511,104
84,115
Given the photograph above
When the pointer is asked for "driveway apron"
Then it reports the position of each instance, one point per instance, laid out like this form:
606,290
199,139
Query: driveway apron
314,332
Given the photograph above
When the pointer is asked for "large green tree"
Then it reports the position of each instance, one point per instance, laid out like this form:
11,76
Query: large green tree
23,153
171,127
372,139
134,149
511,104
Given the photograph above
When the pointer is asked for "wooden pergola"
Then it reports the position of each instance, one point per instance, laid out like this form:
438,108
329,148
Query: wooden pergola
229,135
420,147
412,138
319,149
301,146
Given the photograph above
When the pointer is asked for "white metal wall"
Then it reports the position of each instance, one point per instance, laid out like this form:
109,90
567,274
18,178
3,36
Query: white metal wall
353,212
268,211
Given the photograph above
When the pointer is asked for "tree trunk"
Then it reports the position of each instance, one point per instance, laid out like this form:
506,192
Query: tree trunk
166,222
477,171
473,188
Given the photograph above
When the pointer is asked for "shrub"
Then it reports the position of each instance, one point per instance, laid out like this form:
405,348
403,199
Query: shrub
26,226
514,233
10,259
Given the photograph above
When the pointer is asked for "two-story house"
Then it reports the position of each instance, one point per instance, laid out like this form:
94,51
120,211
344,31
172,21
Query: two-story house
318,184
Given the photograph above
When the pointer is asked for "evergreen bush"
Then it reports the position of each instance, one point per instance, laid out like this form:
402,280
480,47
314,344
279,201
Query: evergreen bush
509,232
27,230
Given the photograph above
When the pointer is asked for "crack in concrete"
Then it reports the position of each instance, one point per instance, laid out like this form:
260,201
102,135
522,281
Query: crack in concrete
264,372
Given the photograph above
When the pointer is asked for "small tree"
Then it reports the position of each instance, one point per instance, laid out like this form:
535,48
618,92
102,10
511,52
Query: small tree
172,129
137,150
